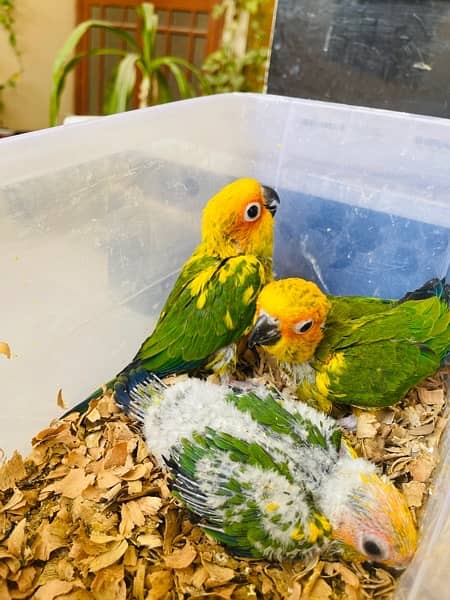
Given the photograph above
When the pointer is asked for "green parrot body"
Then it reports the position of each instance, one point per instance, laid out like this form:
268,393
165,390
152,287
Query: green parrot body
219,298
214,298
365,352
268,477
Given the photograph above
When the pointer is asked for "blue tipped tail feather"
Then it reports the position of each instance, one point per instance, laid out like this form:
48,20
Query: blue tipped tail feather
433,287
132,392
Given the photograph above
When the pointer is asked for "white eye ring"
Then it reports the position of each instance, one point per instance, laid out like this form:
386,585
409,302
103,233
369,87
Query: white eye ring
374,548
252,211
303,326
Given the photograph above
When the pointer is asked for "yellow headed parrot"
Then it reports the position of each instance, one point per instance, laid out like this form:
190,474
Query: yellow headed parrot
213,300
366,352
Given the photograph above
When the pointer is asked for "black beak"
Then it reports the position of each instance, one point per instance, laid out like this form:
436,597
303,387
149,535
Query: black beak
265,332
272,200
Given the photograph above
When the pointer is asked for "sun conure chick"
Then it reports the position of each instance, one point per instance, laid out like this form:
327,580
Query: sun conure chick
366,352
268,476
213,300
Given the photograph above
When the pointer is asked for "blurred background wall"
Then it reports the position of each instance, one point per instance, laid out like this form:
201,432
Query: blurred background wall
42,27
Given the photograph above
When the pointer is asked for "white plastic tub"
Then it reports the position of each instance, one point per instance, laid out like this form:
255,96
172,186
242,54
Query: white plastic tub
96,218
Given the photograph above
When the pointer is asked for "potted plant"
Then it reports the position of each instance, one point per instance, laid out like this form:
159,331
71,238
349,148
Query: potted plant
153,70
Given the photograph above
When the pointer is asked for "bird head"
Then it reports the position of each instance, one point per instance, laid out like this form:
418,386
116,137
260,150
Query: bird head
290,315
239,220
369,515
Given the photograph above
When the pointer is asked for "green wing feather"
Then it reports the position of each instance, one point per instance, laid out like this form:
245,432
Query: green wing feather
233,502
373,360
294,422
352,307
211,306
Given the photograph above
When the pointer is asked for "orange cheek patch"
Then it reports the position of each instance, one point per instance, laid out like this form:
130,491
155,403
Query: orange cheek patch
254,232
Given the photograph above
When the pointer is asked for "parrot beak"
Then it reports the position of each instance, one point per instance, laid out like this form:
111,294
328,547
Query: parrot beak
271,199
265,332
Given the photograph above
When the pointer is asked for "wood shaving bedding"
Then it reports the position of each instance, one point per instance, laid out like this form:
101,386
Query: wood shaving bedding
89,516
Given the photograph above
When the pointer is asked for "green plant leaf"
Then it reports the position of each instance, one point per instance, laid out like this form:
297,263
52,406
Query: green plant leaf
58,87
164,93
179,61
69,46
173,63
149,27
59,83
184,87
123,84
64,63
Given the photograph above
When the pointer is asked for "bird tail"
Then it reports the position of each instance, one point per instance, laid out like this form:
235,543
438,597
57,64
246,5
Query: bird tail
135,390
433,287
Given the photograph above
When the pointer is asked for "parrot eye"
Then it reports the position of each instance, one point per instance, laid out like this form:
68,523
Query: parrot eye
373,548
303,326
252,211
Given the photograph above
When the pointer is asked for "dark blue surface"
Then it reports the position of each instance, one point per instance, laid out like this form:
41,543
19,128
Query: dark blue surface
356,251
345,249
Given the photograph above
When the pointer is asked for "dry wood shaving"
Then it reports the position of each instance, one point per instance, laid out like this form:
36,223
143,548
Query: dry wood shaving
88,515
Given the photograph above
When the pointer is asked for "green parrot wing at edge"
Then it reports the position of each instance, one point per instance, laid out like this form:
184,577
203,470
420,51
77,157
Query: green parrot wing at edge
353,307
381,356
211,306
379,374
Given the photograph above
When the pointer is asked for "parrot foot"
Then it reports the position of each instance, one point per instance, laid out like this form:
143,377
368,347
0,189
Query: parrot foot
349,423
245,386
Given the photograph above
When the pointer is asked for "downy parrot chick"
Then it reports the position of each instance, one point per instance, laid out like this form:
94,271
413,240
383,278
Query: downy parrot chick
268,476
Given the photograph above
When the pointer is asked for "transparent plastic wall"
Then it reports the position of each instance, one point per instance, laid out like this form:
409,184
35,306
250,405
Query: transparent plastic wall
96,219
